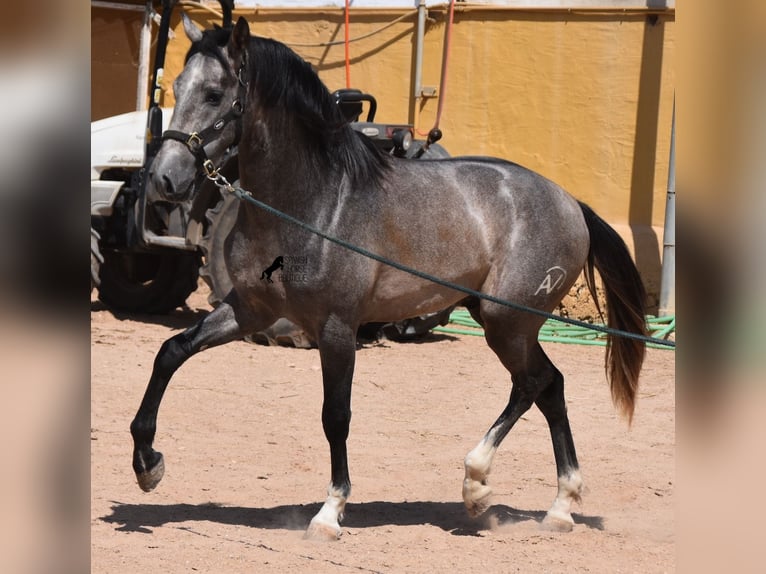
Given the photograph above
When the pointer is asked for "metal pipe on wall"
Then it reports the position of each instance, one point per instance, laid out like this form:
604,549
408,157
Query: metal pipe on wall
668,277
421,32
144,48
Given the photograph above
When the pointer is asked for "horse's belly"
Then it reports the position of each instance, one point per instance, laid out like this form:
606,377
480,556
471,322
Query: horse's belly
401,296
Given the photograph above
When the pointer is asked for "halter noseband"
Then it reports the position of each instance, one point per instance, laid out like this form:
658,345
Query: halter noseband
195,141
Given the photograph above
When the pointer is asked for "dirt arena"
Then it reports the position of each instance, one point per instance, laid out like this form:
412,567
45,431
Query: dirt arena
247,464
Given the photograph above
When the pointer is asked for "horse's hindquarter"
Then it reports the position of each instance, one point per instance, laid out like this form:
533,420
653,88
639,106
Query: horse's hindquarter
484,224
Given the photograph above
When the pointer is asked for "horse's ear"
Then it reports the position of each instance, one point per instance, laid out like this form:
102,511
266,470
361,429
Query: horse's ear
192,32
240,37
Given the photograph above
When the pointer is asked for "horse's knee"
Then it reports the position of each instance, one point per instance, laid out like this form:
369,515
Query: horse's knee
336,423
172,355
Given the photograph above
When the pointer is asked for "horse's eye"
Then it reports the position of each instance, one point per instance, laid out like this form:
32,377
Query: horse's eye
213,98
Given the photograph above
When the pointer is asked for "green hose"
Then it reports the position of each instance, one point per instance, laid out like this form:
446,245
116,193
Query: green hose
555,332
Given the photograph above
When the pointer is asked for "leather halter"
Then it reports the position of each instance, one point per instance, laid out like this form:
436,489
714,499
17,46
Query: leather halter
195,142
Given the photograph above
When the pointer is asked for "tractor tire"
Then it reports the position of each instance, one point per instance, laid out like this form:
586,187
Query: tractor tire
221,219
96,259
153,283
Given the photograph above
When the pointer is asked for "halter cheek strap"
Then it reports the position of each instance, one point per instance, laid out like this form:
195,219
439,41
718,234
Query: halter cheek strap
195,142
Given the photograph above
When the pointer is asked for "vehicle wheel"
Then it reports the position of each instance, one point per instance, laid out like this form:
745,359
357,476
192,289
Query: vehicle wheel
96,259
153,283
221,219
415,328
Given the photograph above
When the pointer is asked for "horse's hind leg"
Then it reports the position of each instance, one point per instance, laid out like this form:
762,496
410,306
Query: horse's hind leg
217,328
535,380
551,403
519,355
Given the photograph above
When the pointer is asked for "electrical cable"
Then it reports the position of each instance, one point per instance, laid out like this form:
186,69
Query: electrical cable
346,44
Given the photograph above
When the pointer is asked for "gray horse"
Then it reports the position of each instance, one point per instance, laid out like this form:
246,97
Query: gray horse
482,223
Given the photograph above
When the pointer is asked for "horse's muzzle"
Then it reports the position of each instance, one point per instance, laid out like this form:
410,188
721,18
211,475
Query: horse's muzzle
168,181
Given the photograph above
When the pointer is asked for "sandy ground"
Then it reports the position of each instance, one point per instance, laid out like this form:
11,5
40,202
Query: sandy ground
247,464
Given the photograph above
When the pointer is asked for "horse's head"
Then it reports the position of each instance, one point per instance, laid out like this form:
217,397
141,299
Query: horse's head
210,97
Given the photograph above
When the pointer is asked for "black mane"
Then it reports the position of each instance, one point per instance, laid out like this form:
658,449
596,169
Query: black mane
283,80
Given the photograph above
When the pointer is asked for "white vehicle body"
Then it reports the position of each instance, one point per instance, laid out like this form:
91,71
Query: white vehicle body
116,142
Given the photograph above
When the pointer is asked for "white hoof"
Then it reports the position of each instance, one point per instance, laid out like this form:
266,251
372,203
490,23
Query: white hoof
557,522
322,531
326,524
477,497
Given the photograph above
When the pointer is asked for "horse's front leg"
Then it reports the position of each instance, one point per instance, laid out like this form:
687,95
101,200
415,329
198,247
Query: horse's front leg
217,328
337,347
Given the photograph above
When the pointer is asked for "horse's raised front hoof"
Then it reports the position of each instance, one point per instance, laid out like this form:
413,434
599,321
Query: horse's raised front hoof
557,523
150,478
322,531
477,497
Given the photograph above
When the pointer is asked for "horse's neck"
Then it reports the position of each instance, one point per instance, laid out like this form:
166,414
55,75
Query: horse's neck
285,168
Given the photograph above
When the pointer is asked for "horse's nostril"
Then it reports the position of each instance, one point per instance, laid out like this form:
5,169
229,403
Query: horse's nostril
169,189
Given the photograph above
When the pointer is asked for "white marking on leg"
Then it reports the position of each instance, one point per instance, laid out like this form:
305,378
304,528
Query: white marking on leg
478,462
559,517
326,524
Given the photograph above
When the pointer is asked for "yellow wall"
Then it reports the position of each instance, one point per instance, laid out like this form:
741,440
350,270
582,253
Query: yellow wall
113,61
584,98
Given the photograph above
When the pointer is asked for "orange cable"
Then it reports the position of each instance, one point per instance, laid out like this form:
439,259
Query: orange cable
445,67
346,45
445,64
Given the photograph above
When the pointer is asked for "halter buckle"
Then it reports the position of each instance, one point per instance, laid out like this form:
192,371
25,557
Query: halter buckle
194,142
209,168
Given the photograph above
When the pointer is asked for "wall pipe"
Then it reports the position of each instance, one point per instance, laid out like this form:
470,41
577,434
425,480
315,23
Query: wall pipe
144,58
445,68
347,57
668,277
420,38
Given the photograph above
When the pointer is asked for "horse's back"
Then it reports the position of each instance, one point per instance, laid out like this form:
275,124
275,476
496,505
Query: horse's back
486,224
494,197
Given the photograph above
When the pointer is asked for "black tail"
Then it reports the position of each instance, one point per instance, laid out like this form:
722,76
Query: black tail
625,306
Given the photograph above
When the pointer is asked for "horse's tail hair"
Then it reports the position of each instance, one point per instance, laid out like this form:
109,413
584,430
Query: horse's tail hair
625,306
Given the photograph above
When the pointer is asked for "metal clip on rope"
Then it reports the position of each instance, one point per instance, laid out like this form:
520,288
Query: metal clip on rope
223,184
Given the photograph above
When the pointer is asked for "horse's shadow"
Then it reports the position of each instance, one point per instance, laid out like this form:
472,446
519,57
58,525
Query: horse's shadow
449,516
181,318
185,317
